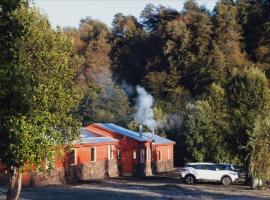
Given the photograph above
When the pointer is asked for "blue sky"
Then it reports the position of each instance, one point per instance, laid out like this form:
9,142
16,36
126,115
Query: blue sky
70,12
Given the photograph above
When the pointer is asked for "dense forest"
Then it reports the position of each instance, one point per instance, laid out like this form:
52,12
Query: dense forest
207,71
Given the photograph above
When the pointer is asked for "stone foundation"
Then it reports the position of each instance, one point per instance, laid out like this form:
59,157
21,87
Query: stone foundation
75,173
162,166
142,170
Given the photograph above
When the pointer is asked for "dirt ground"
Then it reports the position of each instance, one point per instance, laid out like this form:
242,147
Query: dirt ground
141,189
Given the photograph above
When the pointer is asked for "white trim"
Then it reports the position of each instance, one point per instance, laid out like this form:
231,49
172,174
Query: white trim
169,153
110,152
148,155
95,154
134,155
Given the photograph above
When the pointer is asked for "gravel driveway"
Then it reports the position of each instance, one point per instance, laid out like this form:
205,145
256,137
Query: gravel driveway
141,189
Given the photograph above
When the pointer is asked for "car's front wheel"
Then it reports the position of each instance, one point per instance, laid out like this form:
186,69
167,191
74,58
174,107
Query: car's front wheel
189,179
226,180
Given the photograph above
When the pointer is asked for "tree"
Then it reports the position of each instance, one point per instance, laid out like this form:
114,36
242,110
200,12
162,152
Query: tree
105,104
155,18
259,149
92,42
39,94
206,127
254,18
127,52
228,33
248,98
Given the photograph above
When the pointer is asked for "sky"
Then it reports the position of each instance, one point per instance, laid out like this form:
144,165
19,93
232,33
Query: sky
68,13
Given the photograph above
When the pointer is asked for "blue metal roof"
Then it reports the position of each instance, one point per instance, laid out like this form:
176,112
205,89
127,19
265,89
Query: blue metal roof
158,139
87,137
135,135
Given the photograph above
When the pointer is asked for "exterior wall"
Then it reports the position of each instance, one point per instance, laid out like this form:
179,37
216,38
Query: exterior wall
166,162
127,146
128,166
84,169
102,167
142,169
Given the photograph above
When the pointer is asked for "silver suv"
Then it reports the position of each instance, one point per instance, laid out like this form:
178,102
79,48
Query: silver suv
218,172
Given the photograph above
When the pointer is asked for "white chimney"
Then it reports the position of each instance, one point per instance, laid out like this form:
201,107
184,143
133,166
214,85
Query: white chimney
153,135
141,131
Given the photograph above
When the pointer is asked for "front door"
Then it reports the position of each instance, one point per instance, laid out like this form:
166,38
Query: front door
127,163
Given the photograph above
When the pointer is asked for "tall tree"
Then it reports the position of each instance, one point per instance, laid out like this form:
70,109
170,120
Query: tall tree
206,127
248,99
35,107
128,49
228,33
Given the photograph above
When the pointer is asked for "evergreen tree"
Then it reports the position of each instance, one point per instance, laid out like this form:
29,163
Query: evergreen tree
228,33
206,127
127,52
248,99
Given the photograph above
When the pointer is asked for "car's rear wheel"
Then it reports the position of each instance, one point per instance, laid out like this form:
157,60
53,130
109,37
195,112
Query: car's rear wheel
226,180
189,179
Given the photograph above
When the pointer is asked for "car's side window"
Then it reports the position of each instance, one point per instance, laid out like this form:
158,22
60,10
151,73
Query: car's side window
197,166
204,167
221,167
211,167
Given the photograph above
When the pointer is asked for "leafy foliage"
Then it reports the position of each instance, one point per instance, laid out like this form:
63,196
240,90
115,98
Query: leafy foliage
39,93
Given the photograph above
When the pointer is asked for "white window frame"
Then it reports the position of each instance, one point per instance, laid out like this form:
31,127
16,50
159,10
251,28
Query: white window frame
95,154
148,155
142,156
75,156
169,153
134,154
110,152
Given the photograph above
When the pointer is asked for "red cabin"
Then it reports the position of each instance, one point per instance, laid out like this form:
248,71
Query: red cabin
106,150
139,154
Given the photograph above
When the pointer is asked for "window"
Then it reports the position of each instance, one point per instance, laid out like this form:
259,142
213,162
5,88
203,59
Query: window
93,154
204,167
72,157
221,167
119,155
141,155
169,153
148,154
134,154
195,166
110,152
159,155
211,167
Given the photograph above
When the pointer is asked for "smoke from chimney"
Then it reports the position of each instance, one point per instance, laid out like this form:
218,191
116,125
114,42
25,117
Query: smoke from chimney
141,130
144,109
